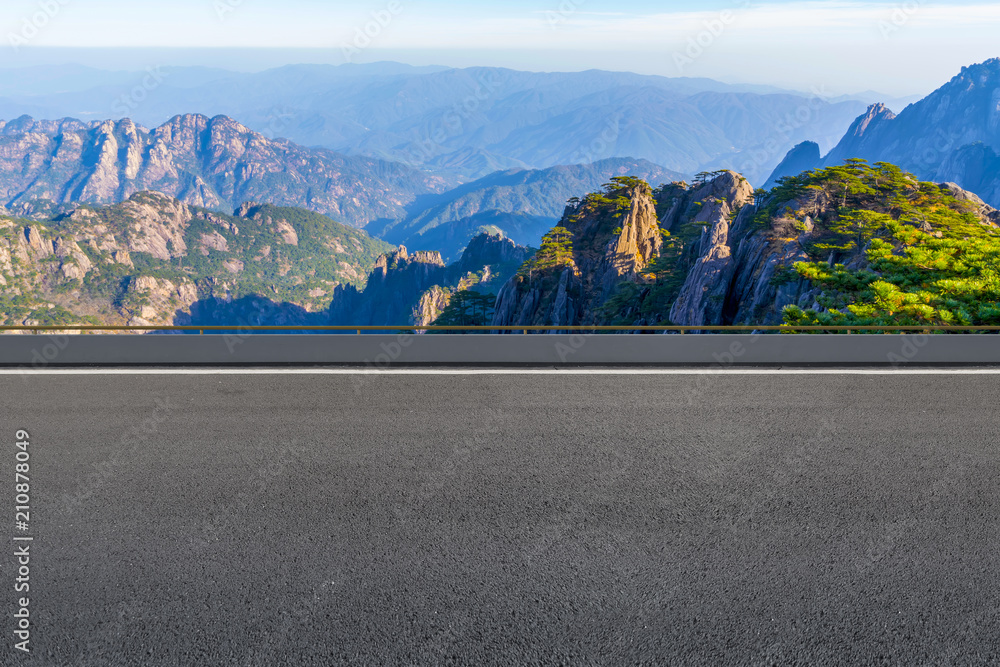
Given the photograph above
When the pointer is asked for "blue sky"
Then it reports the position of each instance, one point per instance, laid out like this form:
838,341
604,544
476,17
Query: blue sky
899,47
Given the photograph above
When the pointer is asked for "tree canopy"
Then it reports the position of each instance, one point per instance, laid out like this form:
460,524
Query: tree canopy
928,257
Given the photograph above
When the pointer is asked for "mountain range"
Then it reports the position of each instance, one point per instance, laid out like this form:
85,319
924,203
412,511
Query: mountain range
952,135
220,164
210,162
854,243
464,123
521,204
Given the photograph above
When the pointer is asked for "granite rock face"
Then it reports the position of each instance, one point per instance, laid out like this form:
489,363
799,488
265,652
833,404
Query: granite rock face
214,163
703,295
608,249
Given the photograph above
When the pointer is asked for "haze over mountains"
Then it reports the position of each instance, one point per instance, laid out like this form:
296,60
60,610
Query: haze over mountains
464,122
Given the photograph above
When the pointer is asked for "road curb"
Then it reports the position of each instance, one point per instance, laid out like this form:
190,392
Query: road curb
387,351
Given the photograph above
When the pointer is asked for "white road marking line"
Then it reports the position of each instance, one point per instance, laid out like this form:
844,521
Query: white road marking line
500,371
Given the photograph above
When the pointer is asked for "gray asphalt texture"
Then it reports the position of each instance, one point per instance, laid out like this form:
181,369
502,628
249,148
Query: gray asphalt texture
508,519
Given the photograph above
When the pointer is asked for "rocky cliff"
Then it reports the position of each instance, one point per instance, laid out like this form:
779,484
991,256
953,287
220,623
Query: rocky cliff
616,238
863,137
702,296
407,288
213,163
859,243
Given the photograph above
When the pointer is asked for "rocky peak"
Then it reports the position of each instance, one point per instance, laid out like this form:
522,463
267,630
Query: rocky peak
635,247
247,209
209,162
616,234
51,128
987,214
401,260
182,125
864,136
486,249
876,114
726,186
986,73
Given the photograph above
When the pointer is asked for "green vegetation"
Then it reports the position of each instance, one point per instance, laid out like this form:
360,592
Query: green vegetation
468,309
614,199
556,251
917,255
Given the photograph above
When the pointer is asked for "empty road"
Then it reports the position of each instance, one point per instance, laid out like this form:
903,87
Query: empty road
504,518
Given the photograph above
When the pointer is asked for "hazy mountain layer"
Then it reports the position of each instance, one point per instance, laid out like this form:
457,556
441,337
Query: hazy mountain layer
465,122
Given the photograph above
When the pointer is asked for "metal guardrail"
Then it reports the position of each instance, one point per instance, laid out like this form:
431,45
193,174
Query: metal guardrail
511,329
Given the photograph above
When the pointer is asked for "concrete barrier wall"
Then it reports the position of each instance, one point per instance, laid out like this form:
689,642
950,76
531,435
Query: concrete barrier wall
382,351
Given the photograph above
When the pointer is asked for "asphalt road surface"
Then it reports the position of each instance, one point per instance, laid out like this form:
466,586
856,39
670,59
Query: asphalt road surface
508,519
